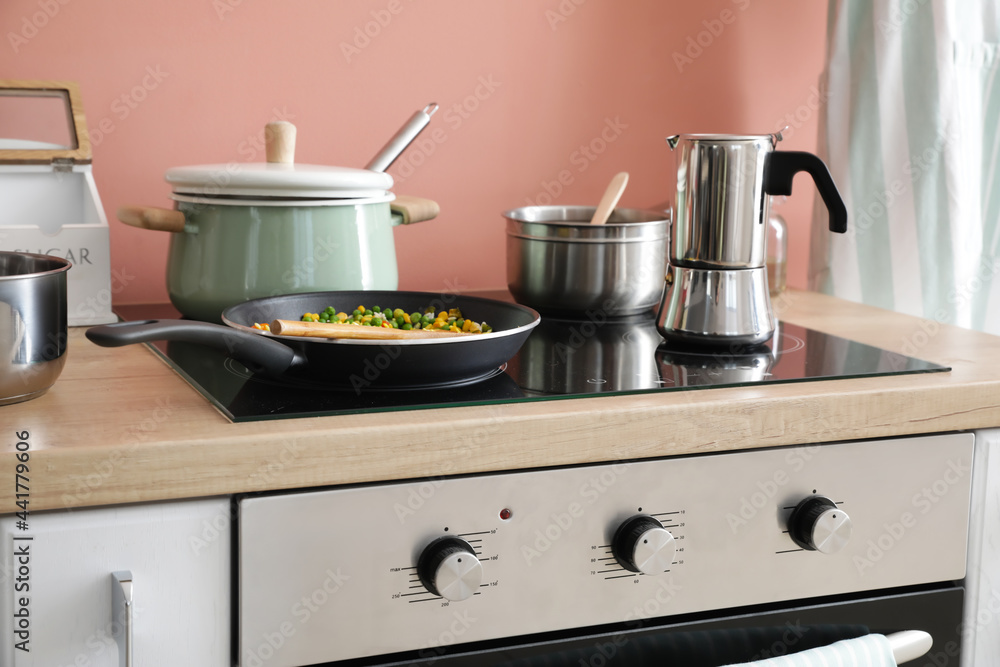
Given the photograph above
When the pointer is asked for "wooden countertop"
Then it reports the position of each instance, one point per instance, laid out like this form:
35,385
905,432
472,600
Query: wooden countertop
120,426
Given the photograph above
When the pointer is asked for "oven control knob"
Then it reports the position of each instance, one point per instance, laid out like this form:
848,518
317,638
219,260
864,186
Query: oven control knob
642,544
450,568
817,524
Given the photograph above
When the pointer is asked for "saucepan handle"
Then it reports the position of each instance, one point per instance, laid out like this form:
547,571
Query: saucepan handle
407,210
782,167
150,217
258,353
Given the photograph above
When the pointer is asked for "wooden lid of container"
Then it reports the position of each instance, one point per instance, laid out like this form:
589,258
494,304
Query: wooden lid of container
22,151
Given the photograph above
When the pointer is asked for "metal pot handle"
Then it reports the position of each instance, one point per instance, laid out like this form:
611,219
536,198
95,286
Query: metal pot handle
150,217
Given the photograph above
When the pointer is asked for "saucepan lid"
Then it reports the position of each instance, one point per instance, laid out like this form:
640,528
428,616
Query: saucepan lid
280,176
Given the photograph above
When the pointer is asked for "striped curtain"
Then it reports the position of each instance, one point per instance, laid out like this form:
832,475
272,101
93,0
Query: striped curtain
911,132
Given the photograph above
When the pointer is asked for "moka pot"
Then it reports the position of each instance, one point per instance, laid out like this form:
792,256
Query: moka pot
717,292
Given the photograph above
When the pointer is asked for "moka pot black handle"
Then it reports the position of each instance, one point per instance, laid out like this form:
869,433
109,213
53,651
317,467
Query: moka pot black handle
782,166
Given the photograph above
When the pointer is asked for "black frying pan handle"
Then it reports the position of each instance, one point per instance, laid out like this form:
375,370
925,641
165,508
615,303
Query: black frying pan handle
258,353
783,165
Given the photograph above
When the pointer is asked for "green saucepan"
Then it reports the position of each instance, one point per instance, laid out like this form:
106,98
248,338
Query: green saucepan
247,231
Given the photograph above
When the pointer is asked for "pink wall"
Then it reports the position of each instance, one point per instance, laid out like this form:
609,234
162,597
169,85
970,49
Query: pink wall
522,86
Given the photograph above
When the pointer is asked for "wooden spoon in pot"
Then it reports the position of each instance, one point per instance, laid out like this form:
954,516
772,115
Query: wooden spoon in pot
610,198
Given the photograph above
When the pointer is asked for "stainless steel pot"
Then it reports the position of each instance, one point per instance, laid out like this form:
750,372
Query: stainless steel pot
32,324
558,263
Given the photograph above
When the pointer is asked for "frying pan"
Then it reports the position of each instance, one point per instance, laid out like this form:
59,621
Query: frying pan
354,364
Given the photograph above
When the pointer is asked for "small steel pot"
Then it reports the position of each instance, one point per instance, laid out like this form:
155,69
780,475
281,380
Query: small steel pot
559,264
32,324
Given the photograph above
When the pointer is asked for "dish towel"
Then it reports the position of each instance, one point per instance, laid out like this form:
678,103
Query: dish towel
869,651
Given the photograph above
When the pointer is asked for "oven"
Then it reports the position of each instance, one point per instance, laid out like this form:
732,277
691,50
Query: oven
693,560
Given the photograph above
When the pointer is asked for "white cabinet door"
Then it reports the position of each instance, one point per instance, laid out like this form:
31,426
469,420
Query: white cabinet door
57,585
981,627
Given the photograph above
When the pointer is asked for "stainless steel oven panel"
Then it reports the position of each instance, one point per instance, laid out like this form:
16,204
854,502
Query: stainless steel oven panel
330,575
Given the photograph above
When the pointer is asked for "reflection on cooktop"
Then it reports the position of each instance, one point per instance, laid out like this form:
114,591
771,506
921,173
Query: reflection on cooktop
561,359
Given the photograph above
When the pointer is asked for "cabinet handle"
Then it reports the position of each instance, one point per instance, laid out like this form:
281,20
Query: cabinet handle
121,615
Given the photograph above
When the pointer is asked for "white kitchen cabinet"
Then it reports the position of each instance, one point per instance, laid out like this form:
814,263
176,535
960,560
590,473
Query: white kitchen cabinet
981,626
179,554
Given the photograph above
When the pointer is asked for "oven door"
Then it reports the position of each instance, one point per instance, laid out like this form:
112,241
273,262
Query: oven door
739,636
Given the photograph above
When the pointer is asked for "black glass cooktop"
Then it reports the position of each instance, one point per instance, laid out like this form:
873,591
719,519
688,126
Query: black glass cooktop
561,359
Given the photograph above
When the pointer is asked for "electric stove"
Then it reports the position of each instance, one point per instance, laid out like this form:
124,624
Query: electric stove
561,359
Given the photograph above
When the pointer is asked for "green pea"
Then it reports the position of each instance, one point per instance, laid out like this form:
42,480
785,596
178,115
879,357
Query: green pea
406,326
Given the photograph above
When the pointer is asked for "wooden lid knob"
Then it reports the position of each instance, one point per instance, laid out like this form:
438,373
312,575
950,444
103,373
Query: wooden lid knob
279,141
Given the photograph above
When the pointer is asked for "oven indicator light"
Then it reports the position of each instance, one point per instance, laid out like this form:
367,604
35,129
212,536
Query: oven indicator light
505,514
